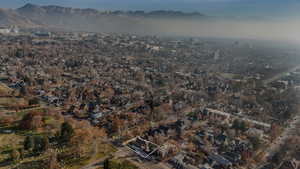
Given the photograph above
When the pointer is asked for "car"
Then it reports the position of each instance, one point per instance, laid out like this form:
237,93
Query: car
7,131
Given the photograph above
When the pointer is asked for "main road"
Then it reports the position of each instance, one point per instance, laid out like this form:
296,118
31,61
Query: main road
280,75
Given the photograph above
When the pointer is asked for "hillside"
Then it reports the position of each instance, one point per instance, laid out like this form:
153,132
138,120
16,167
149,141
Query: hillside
11,17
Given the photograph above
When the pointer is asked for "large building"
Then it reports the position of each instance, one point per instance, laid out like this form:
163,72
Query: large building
7,30
4,30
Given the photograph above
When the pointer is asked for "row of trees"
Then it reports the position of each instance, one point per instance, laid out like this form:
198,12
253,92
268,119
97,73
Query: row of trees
36,144
40,144
32,144
111,164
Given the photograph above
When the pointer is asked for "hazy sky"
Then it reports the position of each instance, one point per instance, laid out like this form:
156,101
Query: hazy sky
251,8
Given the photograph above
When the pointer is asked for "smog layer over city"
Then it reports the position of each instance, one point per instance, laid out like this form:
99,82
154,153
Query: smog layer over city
132,84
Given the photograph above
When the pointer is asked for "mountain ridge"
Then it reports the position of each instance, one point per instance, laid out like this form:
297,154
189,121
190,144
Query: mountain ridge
59,9
87,19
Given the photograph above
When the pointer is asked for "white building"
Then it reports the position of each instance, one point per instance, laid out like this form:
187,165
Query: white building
7,30
4,30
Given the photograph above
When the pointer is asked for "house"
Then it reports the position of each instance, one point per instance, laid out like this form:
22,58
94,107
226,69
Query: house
232,157
255,132
165,150
17,85
217,113
290,164
179,162
209,134
218,160
143,148
43,34
14,29
7,131
95,122
97,115
221,139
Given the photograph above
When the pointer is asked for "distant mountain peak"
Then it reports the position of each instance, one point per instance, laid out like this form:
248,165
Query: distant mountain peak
29,6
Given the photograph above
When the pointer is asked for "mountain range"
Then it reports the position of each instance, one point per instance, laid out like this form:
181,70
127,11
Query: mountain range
32,16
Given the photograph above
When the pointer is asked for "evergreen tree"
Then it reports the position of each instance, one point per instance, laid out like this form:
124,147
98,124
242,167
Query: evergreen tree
37,144
106,164
45,143
66,133
22,154
28,143
23,91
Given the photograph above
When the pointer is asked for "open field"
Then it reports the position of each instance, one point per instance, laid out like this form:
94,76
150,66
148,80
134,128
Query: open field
4,90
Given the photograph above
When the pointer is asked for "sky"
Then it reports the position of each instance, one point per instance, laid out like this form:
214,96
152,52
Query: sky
237,8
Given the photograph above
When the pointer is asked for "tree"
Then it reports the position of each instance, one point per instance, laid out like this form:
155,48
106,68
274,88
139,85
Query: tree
23,91
37,144
34,101
82,143
106,164
19,53
178,128
239,125
52,162
246,155
117,125
45,143
150,102
28,143
21,152
31,121
255,141
66,133
41,144
277,158
14,155
274,131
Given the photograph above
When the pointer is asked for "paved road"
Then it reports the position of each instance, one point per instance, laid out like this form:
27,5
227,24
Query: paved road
95,164
289,132
280,75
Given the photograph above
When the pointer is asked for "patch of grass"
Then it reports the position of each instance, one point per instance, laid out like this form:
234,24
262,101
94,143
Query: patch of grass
12,102
32,164
191,114
30,133
77,163
8,142
106,148
10,139
23,112
48,119
11,127
100,155
6,149
5,90
117,164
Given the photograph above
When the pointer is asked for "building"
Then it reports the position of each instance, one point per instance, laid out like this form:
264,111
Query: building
7,30
4,30
218,160
43,34
290,164
14,29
